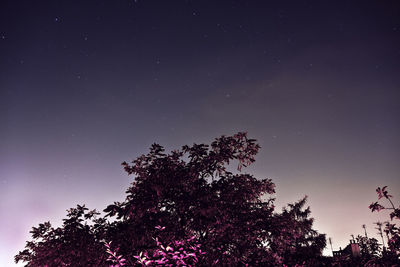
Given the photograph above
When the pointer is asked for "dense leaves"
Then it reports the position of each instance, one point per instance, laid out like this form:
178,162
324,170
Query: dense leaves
369,247
194,195
295,240
76,243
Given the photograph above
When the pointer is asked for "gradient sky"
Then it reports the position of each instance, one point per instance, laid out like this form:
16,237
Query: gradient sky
85,85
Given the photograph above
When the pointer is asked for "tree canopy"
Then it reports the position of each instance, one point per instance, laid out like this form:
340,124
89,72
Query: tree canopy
224,217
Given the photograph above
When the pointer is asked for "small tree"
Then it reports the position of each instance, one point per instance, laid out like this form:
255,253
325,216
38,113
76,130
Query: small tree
76,243
296,240
391,229
369,247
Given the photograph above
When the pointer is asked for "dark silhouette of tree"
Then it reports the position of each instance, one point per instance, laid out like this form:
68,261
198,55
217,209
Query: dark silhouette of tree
295,238
76,243
369,247
391,229
193,195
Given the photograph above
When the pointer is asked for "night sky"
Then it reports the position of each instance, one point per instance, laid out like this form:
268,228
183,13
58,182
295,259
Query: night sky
85,85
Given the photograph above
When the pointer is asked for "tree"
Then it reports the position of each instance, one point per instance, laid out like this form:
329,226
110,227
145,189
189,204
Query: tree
391,230
76,243
369,247
295,240
192,194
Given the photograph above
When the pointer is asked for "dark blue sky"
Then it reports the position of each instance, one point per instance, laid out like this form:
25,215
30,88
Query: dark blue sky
85,85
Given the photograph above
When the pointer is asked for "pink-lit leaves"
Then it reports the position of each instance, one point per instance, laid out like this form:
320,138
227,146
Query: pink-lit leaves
382,192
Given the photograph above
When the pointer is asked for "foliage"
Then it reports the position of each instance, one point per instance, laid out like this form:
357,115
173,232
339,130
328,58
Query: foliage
372,252
177,253
392,230
369,247
76,243
197,199
295,240
113,257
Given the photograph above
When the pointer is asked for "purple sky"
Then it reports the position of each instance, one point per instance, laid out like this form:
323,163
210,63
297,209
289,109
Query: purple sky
85,85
